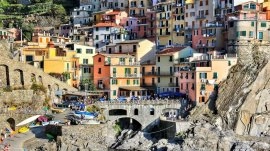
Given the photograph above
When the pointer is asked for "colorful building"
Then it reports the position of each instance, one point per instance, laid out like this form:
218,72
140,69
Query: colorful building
63,65
97,16
266,8
200,75
85,61
114,17
166,61
81,15
106,33
117,75
142,49
149,76
114,4
246,24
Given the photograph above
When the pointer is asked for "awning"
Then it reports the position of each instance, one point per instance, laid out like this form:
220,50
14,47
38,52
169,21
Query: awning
133,88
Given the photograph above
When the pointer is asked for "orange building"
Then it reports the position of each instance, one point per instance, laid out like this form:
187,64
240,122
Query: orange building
148,80
266,8
117,75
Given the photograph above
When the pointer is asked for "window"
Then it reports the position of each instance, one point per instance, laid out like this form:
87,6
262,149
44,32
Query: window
203,87
99,59
97,37
245,15
152,111
134,48
252,23
252,6
114,81
263,24
206,12
135,70
192,5
120,48
89,51
186,86
107,28
135,82
246,6
99,70
171,58
243,33
203,75
114,92
260,35
186,75
193,86
79,50
85,61
158,80
29,58
86,70
181,87
215,75
250,34
136,112
96,28
114,70
201,3
206,2
158,59
192,76
128,82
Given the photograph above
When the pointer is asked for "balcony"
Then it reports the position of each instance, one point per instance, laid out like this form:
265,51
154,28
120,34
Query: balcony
135,75
213,25
209,35
148,85
178,29
168,33
165,74
132,6
149,73
201,17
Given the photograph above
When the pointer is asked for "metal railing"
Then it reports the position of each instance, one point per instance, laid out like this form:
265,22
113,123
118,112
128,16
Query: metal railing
140,102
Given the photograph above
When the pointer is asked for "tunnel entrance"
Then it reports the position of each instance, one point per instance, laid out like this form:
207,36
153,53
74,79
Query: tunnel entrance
129,123
117,112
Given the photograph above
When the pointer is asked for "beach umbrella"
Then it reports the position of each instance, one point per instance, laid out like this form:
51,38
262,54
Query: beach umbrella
28,120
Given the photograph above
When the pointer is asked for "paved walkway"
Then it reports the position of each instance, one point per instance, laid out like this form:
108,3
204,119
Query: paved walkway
16,142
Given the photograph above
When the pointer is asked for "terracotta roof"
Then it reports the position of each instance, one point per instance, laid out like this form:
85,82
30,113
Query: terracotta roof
113,13
105,25
170,50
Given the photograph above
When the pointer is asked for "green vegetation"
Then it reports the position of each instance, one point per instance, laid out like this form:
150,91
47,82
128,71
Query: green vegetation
7,89
93,108
117,128
38,88
89,83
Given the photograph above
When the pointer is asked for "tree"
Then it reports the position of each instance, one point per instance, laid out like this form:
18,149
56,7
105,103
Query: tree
89,83
58,10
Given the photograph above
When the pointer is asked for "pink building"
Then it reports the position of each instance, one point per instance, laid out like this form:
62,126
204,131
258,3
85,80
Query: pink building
114,17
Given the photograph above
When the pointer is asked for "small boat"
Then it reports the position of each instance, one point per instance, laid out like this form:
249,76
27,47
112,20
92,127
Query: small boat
23,129
28,120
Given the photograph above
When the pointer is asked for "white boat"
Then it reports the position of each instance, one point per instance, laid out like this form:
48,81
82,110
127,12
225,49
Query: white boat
28,120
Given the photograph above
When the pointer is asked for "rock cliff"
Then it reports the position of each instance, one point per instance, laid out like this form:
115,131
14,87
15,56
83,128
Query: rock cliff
243,103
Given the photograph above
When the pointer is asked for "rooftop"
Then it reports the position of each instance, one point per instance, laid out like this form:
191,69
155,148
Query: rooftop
131,41
170,50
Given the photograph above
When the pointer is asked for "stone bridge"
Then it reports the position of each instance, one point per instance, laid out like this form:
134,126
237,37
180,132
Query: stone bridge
15,75
145,112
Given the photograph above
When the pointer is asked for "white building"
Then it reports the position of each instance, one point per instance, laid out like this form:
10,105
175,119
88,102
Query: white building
107,33
85,55
81,15
114,4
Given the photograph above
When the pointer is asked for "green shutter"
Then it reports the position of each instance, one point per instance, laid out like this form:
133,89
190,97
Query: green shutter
114,92
203,87
215,75
252,24
134,82
114,70
237,34
229,63
128,82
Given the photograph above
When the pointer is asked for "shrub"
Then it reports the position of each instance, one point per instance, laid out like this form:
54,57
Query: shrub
117,128
7,89
93,108
38,87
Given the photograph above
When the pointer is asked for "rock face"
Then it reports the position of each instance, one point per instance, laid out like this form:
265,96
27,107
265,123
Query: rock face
243,103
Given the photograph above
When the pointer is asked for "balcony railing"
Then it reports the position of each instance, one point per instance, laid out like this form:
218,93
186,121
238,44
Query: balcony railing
165,73
148,85
135,75
127,63
149,73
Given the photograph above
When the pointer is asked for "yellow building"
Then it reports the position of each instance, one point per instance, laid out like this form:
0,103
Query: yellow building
35,52
65,67
170,23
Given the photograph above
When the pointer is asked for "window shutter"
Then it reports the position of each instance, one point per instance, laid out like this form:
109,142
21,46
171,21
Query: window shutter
200,75
205,75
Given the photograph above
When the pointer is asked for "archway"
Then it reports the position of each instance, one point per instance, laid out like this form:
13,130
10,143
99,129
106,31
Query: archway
33,78
18,78
40,79
4,76
116,112
11,122
129,123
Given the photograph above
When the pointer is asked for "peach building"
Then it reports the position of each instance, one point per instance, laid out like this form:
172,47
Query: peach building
148,71
117,75
200,75
114,17
266,8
